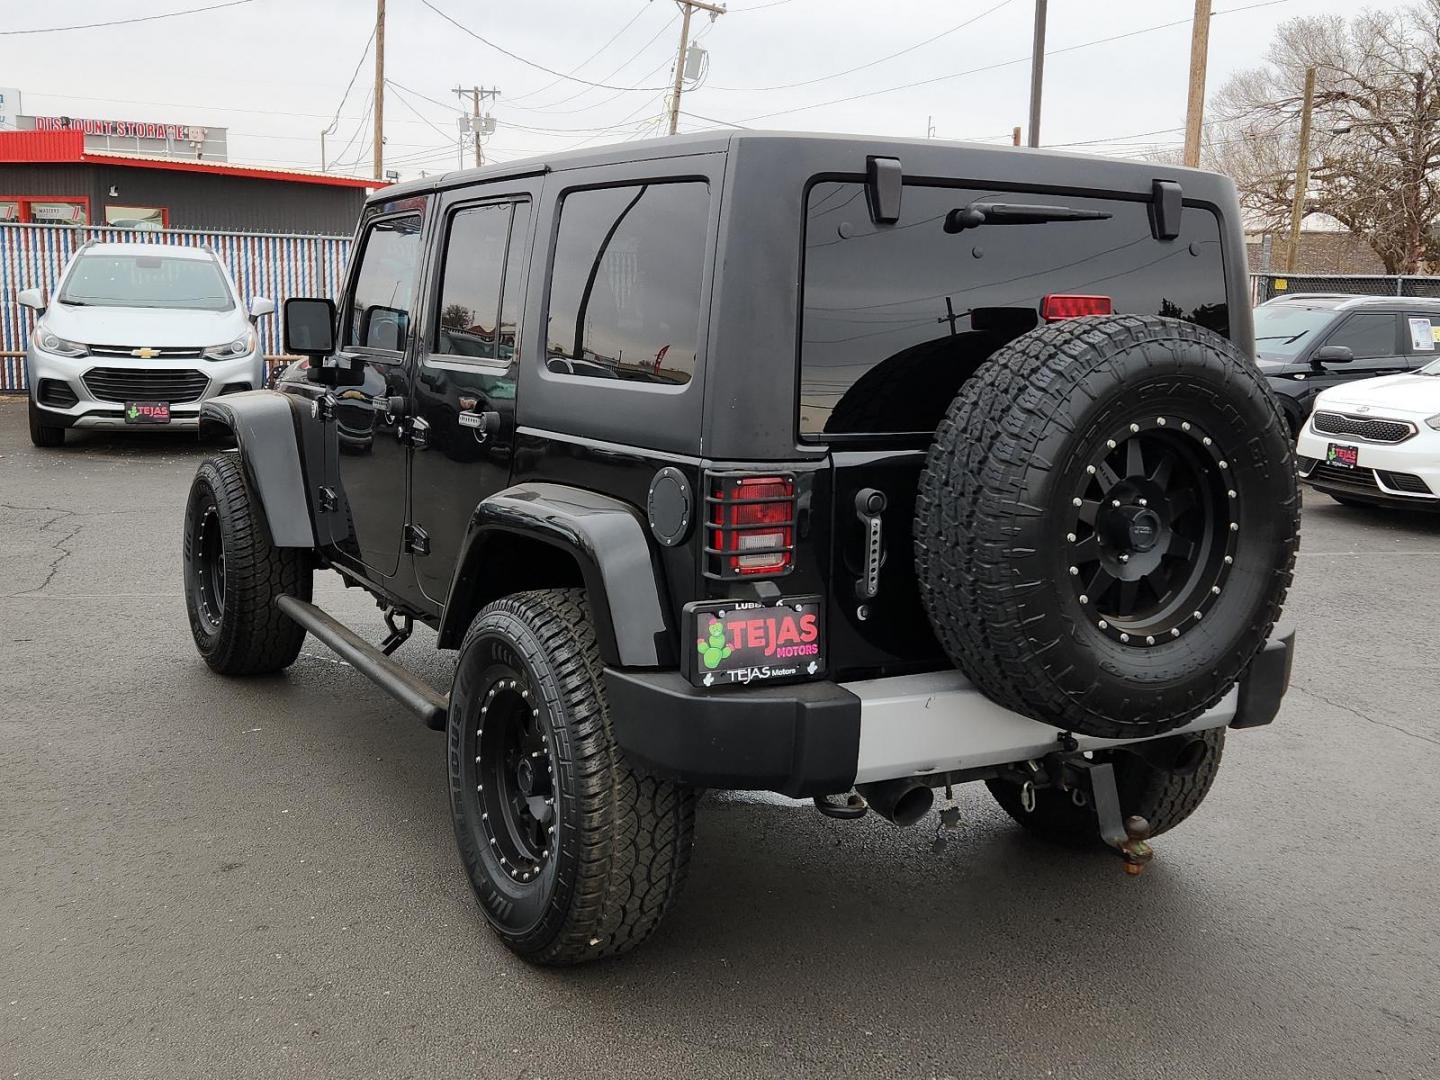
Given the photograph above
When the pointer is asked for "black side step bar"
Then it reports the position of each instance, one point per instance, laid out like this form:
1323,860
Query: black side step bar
404,687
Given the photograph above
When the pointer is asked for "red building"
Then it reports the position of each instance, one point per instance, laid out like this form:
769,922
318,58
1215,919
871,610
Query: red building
50,176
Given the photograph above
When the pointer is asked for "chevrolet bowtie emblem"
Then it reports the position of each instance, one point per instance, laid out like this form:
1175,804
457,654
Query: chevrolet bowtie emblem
145,353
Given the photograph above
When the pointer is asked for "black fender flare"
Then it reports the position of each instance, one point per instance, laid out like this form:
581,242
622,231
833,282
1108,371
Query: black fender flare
608,542
263,427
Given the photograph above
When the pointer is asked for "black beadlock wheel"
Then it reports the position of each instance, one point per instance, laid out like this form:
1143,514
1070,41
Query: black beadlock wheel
574,855
1107,522
233,575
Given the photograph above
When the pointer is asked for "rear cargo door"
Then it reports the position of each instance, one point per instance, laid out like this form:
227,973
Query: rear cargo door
896,317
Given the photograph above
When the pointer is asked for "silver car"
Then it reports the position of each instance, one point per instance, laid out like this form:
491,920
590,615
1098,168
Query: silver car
138,335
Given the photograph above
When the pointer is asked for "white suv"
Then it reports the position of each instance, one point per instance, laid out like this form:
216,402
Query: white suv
138,335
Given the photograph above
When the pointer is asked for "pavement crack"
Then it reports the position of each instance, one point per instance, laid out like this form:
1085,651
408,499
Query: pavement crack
1363,716
62,551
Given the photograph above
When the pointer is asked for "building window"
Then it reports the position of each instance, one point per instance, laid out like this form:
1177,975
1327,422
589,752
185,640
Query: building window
625,290
59,212
45,209
148,218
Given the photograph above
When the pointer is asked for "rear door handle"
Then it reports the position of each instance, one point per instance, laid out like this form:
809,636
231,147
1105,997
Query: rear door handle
485,424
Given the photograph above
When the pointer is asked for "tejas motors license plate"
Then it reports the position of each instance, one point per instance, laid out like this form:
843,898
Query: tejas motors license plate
1347,457
740,642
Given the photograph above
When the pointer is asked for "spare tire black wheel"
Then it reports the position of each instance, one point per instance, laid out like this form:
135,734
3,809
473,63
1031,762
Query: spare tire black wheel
1107,522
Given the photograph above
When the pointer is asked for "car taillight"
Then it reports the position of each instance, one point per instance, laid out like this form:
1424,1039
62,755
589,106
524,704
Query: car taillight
751,526
1056,307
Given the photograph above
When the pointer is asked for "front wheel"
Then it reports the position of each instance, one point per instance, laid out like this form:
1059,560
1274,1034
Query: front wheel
41,433
573,853
234,574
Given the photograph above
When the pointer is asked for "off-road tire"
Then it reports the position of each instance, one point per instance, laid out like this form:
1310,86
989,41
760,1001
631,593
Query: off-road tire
993,537
41,433
621,843
248,635
1161,798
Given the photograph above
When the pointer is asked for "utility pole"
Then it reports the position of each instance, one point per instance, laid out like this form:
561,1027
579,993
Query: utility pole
1302,174
379,89
688,6
1015,136
476,96
322,149
1199,57
1037,71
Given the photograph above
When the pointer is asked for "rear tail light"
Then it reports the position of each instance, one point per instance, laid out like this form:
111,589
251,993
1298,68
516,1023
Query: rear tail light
751,526
1056,307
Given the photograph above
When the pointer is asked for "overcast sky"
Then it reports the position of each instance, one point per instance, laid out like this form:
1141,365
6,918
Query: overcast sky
274,71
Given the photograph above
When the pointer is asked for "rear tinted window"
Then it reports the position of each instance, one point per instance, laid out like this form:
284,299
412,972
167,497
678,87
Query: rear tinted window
625,293
896,317
1367,335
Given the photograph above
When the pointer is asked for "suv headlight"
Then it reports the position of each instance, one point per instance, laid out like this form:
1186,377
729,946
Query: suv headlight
1434,422
53,343
243,345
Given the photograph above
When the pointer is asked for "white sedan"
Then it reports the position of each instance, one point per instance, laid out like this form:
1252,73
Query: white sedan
1377,442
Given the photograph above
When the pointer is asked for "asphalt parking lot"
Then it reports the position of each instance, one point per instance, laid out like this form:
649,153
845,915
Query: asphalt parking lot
201,877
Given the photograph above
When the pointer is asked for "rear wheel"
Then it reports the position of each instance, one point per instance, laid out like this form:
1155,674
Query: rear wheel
573,853
1164,799
1106,524
41,433
234,574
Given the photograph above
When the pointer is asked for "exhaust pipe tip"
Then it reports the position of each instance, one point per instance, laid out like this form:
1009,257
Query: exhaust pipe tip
903,802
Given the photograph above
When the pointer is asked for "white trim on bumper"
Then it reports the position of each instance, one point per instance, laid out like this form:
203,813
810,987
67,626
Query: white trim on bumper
915,724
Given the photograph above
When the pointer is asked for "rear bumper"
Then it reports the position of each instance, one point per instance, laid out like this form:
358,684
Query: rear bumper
821,738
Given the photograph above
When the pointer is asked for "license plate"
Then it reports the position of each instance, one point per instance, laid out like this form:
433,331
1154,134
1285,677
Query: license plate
1347,457
147,412
741,643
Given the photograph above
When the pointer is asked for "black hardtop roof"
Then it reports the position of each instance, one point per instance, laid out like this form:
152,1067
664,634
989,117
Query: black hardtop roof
722,141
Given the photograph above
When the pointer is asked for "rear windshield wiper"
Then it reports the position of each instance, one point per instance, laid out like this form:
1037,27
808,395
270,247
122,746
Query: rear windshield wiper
989,213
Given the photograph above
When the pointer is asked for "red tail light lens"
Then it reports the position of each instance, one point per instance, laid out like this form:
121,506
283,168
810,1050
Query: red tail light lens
1057,307
752,526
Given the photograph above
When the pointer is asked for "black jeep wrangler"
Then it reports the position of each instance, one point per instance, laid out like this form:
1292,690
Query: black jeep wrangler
841,468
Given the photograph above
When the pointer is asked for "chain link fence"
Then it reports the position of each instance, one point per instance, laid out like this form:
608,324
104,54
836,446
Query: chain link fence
1268,286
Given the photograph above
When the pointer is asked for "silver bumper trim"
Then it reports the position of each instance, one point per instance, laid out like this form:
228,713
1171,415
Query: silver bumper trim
916,724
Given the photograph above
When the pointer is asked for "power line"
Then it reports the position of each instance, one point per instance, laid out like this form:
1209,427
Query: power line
529,63
644,6
585,90
1000,64
127,22
351,84
406,102
872,63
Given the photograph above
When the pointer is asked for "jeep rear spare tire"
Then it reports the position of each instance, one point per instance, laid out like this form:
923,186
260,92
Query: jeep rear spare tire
1107,522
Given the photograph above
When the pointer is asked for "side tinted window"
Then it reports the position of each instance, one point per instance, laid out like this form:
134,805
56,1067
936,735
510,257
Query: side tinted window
896,317
1366,335
1420,335
625,290
385,285
471,282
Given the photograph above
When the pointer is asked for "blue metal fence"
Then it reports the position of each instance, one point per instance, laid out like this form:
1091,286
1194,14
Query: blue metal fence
262,264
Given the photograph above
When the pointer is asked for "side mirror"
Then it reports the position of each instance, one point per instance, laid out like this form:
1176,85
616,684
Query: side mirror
261,305
1332,354
31,298
309,325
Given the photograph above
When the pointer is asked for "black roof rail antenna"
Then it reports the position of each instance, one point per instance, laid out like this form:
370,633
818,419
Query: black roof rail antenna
883,180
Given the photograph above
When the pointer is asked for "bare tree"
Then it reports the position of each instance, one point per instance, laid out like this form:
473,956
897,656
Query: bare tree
1375,143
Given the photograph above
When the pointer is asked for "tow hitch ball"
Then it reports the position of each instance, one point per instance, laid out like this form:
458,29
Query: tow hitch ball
1127,836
